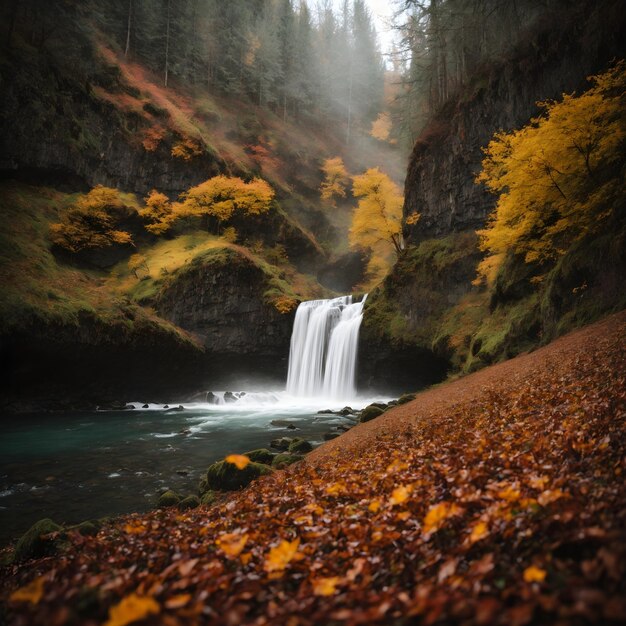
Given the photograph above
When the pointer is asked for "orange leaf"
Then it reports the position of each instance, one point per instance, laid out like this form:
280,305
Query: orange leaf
134,529
534,574
280,556
400,494
232,544
177,602
29,593
374,506
238,460
438,514
335,489
131,609
325,586
479,531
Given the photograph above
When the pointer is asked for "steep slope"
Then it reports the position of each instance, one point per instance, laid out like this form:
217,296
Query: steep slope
412,312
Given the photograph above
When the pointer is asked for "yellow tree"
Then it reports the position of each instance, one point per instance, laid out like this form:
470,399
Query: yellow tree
335,181
381,127
558,178
158,213
377,219
221,196
94,220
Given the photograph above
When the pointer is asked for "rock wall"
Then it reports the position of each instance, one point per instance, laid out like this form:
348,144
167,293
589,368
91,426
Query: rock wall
221,299
556,57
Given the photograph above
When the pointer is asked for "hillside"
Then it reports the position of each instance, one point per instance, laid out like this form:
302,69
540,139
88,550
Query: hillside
498,498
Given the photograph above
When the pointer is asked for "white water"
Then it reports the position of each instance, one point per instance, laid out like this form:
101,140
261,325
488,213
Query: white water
324,343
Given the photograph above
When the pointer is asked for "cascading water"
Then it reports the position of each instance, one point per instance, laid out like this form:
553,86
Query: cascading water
324,342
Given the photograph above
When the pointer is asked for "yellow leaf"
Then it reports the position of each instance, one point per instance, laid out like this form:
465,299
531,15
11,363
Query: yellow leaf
403,516
325,586
238,460
131,609
314,508
335,489
479,531
245,558
29,593
134,529
281,555
232,544
534,574
437,514
374,506
509,494
400,494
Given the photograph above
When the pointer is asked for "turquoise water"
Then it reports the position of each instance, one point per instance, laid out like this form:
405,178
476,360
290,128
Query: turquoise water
77,466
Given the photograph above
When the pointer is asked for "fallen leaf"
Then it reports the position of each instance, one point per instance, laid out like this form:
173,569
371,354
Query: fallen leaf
400,494
238,460
534,574
280,556
325,586
232,544
438,514
479,531
177,602
374,505
29,593
131,609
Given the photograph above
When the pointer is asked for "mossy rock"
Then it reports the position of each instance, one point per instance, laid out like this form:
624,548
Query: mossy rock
300,446
282,443
190,502
167,499
223,476
405,397
89,528
35,542
369,413
284,460
260,455
208,498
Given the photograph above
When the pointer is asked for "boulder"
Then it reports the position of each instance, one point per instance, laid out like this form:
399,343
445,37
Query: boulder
89,528
36,541
347,410
406,397
299,446
229,396
260,455
211,398
329,436
326,412
283,424
223,476
370,412
283,460
190,502
282,443
167,499
208,498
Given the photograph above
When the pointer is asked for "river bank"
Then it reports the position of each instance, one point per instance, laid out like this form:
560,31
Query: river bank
511,478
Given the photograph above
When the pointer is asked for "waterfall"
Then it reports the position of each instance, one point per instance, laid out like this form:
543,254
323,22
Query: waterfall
324,342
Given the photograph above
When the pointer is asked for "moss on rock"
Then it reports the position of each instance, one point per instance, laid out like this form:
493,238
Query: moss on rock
284,460
167,499
405,397
223,476
36,541
300,446
208,498
369,413
260,455
190,502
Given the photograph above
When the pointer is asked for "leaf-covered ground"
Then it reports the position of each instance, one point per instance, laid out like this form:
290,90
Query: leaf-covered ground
497,499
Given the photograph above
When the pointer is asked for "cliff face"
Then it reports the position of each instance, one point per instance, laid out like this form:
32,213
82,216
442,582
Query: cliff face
223,301
556,58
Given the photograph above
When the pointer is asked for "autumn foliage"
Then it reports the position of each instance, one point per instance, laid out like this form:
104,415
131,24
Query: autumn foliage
497,500
221,197
157,213
377,220
559,178
93,221
335,181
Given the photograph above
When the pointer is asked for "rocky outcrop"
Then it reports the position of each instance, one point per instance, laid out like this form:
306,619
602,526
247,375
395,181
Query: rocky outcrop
223,299
556,57
60,366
